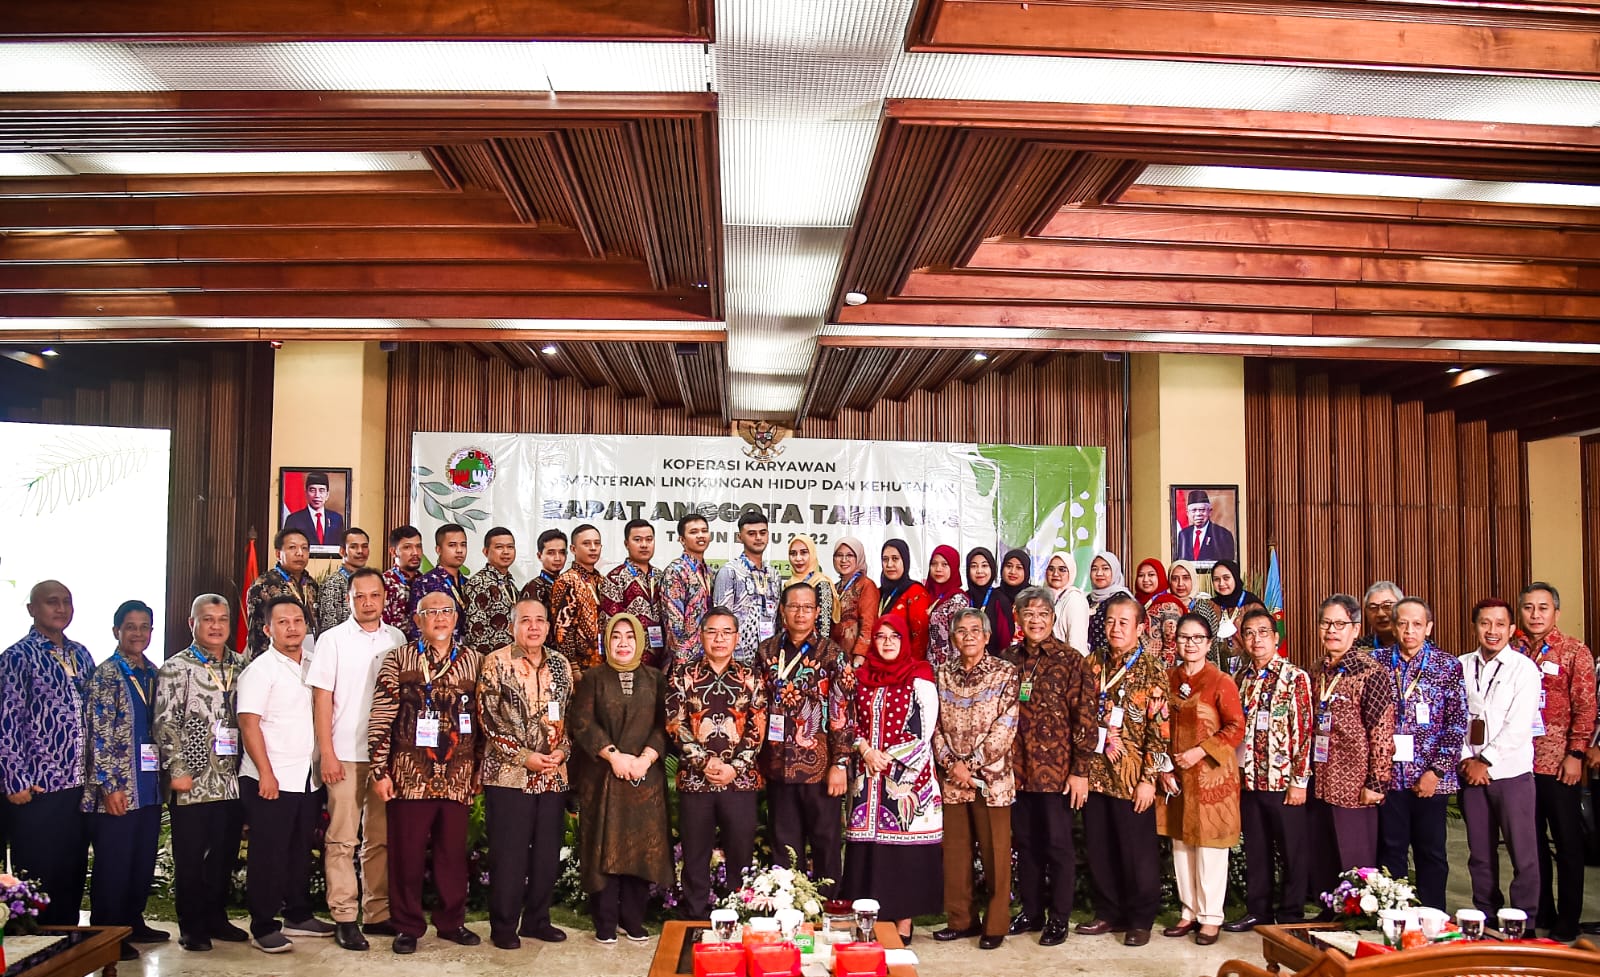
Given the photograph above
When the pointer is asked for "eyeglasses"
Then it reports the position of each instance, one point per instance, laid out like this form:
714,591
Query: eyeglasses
970,629
1192,639
1258,632
1037,614
435,611
1387,605
1334,626
720,632
1055,570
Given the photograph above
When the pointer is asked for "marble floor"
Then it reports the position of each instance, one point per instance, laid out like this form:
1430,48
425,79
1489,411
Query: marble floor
580,956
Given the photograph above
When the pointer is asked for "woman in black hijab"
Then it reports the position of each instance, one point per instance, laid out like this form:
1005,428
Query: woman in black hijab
1016,573
898,592
985,594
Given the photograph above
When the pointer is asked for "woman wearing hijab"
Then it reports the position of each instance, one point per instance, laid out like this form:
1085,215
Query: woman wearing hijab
1072,607
899,594
1164,612
1105,579
1184,579
1149,581
1016,573
804,560
1228,593
986,596
944,586
892,840
617,723
858,599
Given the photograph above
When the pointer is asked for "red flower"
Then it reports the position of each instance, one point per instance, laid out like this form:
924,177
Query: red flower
1352,906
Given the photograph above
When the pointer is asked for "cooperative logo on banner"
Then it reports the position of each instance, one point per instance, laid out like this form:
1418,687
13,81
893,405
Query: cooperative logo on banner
470,470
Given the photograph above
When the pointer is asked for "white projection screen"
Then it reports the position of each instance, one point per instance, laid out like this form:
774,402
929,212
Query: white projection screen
86,506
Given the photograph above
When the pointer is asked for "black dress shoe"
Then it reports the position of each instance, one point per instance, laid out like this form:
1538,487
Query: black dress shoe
990,942
405,944
197,942
129,951
1591,928
947,934
1097,928
1023,923
348,935
227,933
145,933
1203,938
1245,924
1136,938
463,936
1055,933
546,933
384,928
1181,928
505,942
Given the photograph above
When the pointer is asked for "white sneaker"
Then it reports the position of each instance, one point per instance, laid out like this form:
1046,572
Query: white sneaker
608,940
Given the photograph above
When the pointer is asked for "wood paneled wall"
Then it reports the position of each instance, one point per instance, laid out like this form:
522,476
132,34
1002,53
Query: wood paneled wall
217,401
1069,399
1353,488
1591,535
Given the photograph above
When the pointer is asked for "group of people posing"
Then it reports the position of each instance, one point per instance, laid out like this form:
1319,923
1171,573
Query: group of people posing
902,729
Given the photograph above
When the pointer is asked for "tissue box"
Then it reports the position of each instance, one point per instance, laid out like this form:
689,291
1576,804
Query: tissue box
806,939
773,960
719,960
859,960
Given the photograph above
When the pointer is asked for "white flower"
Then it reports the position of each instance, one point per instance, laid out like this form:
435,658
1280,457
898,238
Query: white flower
784,876
783,900
1369,903
811,908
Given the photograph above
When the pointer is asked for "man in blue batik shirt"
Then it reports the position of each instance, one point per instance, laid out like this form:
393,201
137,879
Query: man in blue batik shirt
746,586
44,683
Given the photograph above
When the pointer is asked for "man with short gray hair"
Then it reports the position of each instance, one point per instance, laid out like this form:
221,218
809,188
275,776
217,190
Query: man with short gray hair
1378,609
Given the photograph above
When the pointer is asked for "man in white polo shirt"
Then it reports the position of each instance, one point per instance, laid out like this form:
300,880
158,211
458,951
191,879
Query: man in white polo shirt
1497,787
342,676
278,781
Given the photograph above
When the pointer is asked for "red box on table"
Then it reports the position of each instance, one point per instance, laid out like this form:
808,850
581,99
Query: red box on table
719,960
859,960
773,960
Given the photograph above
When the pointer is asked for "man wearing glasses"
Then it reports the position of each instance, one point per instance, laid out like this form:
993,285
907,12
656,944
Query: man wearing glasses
1378,607
1352,747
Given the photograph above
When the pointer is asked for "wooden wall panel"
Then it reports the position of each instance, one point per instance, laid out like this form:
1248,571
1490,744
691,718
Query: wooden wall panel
1591,534
1353,488
217,401
1065,399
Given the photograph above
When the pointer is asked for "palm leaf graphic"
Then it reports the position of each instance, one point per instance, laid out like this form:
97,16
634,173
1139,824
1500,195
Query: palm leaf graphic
78,466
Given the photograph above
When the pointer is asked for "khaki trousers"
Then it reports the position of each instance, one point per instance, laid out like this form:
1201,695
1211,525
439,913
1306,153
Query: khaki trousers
357,816
990,829
1202,875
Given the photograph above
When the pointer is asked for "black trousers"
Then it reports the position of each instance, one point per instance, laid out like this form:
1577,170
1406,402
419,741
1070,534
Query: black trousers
1415,825
1047,864
802,816
278,865
1274,835
1124,861
51,843
704,820
205,851
525,832
124,864
620,903
1558,813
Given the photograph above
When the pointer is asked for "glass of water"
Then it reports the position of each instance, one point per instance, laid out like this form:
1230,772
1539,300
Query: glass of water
724,922
1471,923
1513,923
866,920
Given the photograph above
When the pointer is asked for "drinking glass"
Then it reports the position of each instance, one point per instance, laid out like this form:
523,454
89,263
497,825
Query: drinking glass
866,920
1513,922
1471,923
724,922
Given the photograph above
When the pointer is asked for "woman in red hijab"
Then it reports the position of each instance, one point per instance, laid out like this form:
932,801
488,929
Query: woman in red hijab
892,841
1150,582
944,586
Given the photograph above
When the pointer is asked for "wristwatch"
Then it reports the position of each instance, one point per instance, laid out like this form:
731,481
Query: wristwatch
1575,754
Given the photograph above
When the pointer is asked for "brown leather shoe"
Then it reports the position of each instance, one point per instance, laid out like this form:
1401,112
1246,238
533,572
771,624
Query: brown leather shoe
1099,927
1182,928
1203,938
1136,938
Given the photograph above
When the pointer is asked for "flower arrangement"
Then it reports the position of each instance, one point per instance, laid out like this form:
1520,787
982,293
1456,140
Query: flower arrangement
1362,893
767,890
22,900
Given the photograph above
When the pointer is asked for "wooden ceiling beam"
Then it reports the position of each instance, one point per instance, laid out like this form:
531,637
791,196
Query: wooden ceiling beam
316,305
273,210
1555,426
325,244
1143,196
105,184
314,276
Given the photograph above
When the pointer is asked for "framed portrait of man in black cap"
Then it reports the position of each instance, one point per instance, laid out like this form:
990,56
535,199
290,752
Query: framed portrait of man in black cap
1205,524
315,501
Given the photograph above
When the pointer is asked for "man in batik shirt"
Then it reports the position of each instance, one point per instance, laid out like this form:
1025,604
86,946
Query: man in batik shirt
1119,818
748,588
333,593
686,590
1562,732
450,547
44,684
806,755
405,553
1430,722
575,603
288,578
489,597
717,714
634,587
552,560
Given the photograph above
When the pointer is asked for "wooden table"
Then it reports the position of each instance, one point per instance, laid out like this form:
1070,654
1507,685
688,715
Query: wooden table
674,954
1290,946
92,948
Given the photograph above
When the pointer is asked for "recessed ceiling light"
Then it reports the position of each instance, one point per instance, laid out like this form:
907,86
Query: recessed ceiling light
1452,369
548,350
980,357
48,351
855,298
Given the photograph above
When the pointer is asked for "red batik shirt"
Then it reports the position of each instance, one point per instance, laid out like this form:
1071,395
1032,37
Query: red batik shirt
1566,669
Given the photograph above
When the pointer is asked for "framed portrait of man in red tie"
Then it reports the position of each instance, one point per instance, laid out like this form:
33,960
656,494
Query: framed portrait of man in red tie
1205,524
315,501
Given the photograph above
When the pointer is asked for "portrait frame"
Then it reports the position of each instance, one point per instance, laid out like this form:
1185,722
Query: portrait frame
1221,542
294,512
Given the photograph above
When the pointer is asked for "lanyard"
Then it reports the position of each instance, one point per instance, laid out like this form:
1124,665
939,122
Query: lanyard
1403,668
764,590
427,673
1260,690
223,681
346,574
852,581
145,687
987,593
1494,676
698,568
649,580
64,658
547,578
788,665
1325,690
1107,685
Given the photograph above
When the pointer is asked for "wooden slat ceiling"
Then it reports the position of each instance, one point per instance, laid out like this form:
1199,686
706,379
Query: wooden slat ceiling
583,207
859,377
1535,37
691,377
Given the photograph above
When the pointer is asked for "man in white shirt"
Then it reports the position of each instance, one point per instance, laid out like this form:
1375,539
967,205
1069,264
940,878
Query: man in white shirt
278,781
1497,786
342,676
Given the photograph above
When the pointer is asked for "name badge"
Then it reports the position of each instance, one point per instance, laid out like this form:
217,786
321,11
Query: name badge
1422,713
1538,723
225,741
653,632
1263,720
1115,719
775,724
149,758
1100,744
427,730
1325,723
552,711
766,628
1550,667
464,723
1477,731
1319,749
1405,748
1026,692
